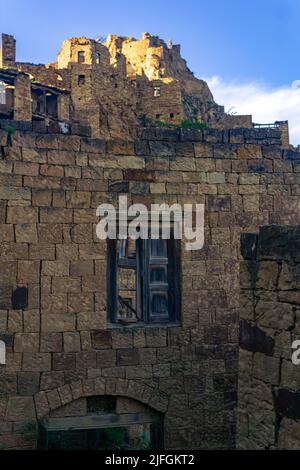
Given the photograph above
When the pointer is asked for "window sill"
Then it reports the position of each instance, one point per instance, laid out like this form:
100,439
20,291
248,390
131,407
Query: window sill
136,325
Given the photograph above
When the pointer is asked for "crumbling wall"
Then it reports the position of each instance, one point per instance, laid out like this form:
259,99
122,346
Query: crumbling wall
119,78
269,382
22,98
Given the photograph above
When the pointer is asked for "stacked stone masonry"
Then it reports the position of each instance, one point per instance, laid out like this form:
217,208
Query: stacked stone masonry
53,293
269,382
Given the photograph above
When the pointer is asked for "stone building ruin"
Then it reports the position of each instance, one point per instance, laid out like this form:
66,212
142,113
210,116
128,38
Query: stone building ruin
140,344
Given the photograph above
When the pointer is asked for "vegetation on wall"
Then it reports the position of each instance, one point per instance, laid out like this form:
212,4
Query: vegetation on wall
146,121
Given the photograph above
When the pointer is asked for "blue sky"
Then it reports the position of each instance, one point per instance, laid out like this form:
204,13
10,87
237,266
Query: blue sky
240,42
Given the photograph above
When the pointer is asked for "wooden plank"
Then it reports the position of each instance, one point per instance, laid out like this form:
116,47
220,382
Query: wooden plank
98,421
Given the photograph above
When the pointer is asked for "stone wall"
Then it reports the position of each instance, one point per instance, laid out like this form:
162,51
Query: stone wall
53,273
22,98
269,383
8,51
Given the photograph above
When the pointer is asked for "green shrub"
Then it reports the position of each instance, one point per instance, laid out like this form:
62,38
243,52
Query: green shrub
189,124
113,438
10,130
185,124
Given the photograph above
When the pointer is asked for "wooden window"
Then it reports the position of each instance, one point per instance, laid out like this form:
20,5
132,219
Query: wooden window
2,93
81,57
143,281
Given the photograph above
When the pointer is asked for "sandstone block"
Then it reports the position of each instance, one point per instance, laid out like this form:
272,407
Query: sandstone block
80,268
34,155
27,169
64,361
67,251
78,199
101,339
127,357
51,380
139,372
43,251
7,233
216,177
15,193
66,284
25,233
28,383
28,271
20,408
55,268
56,215
71,341
22,215
156,337
26,342
58,322
51,342
121,339
36,362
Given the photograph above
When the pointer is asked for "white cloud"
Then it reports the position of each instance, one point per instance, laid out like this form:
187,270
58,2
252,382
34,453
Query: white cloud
265,104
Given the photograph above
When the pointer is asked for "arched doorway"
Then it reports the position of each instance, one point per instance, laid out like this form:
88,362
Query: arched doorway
102,423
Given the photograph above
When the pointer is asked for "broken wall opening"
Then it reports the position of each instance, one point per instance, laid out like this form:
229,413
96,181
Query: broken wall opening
102,423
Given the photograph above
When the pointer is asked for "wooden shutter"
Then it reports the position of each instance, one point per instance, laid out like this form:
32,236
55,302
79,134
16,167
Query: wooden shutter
156,280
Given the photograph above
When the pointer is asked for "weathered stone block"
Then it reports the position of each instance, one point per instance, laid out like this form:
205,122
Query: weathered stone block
58,322
64,361
71,341
26,342
219,203
86,360
55,268
28,383
102,339
51,342
22,215
266,368
51,380
20,408
36,362
54,215
156,337
26,233
127,357
42,251
272,314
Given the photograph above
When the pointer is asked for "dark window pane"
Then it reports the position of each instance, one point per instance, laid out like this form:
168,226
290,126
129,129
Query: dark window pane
159,248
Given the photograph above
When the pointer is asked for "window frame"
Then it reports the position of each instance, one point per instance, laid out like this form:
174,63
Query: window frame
81,80
156,91
145,289
81,56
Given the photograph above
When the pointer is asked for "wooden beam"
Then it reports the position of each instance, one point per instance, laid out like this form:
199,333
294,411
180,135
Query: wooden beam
98,421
